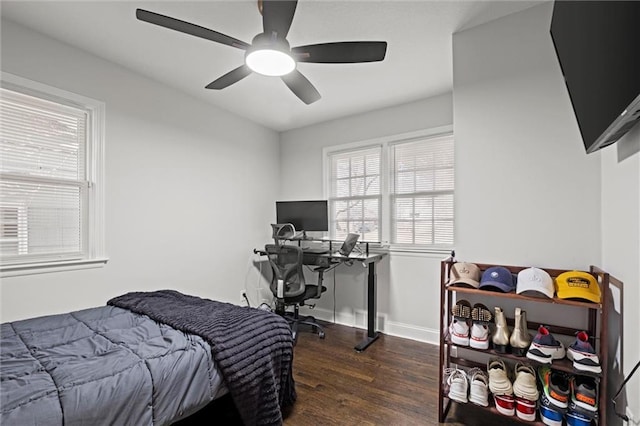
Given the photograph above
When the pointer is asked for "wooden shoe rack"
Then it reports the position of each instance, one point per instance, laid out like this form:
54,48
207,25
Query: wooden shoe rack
596,317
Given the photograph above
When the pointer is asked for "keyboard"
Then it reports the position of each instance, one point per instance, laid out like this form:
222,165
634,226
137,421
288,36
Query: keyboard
313,250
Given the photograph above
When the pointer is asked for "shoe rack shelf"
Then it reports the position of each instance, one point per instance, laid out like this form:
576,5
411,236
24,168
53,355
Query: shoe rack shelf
450,353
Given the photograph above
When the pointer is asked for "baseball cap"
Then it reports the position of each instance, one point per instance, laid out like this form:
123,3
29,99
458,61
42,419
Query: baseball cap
497,278
535,282
465,275
577,285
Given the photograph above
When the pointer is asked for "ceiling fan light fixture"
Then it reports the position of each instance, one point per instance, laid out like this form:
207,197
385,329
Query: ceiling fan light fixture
271,62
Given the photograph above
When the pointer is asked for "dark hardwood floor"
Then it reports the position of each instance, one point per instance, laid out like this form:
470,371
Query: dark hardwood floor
393,382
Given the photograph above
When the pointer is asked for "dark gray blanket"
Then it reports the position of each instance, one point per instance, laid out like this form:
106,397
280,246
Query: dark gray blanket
252,348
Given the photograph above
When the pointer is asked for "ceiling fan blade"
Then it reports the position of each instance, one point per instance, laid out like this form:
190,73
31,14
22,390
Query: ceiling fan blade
229,78
188,28
301,87
277,16
345,52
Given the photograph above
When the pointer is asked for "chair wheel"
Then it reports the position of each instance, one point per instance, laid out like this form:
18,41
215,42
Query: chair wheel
321,334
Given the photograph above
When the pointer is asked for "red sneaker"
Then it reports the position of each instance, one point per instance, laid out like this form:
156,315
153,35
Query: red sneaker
505,404
526,409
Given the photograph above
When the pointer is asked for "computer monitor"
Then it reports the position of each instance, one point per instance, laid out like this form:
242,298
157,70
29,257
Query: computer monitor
304,215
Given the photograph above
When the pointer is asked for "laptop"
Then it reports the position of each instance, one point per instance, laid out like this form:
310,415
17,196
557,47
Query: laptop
349,244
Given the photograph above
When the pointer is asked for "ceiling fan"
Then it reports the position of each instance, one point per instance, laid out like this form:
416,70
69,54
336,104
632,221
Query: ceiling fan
269,52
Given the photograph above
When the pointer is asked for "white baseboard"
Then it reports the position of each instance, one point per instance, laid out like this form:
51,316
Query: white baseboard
392,328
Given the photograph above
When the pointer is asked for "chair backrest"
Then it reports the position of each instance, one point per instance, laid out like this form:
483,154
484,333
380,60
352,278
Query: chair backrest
286,265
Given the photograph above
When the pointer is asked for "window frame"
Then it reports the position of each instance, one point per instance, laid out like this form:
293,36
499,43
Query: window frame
93,233
386,215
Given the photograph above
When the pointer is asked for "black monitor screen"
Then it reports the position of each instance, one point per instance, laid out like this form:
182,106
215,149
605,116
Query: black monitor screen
304,215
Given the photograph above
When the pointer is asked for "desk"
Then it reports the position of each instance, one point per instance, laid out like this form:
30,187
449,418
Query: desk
371,259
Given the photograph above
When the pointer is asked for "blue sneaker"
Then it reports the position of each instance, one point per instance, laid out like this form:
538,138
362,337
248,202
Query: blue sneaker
545,348
550,416
577,419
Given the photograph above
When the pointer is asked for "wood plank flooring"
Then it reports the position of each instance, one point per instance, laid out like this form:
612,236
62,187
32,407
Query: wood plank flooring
393,382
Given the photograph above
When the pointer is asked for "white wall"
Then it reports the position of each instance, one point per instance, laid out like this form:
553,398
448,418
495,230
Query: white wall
526,191
621,241
180,212
407,283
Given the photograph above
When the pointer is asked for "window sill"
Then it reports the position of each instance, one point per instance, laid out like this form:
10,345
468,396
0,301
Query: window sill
46,267
421,251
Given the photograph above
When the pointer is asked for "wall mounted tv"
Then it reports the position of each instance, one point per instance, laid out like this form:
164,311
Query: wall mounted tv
598,46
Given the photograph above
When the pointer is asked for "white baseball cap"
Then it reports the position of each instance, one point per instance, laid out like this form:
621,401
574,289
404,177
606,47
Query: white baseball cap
535,282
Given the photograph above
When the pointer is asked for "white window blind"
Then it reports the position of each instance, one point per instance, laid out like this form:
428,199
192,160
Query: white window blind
355,193
398,191
44,185
422,176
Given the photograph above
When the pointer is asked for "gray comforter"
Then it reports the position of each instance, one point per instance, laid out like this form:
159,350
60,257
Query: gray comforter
161,359
102,366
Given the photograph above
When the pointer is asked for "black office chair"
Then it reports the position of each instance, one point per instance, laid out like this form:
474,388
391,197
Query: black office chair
289,287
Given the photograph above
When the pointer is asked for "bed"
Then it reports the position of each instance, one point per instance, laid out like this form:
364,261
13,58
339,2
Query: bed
147,358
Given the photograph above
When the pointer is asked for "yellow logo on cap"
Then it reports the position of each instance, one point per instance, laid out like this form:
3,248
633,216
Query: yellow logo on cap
578,282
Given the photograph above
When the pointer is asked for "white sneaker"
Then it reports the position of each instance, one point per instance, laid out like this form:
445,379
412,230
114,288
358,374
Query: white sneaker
481,316
582,354
499,383
459,332
478,387
457,383
545,348
459,327
524,386
479,336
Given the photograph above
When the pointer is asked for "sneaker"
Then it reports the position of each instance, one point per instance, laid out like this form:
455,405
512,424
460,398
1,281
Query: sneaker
481,316
499,383
524,386
582,354
459,327
577,419
456,384
478,387
526,409
549,415
555,387
584,395
545,348
505,404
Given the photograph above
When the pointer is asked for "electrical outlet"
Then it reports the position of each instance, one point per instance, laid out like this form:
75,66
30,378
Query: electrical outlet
243,298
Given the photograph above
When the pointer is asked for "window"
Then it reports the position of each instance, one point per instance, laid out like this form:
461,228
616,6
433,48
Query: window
50,177
422,192
399,191
355,200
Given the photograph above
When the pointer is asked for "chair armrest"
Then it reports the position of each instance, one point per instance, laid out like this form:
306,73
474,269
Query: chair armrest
320,270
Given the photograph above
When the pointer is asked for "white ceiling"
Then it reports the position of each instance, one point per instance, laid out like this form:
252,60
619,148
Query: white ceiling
418,63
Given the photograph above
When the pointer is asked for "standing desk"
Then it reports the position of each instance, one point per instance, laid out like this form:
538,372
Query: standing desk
368,259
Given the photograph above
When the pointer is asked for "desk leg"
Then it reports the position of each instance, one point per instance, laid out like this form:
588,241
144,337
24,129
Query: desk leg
372,334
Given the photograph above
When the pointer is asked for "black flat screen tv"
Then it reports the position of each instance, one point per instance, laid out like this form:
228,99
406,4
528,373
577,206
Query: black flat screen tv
304,215
598,47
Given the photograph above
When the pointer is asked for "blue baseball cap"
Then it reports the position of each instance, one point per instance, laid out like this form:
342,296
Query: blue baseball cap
498,278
